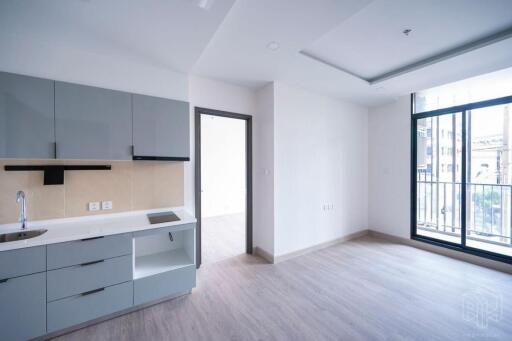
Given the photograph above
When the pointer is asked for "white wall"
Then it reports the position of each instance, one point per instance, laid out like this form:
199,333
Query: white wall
212,94
222,166
321,159
263,170
389,129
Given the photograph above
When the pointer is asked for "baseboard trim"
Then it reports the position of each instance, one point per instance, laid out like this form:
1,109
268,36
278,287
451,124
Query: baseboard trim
258,251
488,263
277,259
466,257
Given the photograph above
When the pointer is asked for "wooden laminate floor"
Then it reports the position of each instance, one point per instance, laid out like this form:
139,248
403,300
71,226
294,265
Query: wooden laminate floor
366,289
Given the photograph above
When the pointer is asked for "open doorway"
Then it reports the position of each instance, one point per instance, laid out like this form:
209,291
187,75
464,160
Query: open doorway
223,184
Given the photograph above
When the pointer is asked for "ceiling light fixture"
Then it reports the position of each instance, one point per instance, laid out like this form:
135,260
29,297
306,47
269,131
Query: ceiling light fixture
407,31
273,46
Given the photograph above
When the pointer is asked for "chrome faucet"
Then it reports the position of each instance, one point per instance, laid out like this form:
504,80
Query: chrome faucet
20,198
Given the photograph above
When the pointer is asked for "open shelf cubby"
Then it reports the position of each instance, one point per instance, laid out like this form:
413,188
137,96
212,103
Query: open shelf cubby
158,253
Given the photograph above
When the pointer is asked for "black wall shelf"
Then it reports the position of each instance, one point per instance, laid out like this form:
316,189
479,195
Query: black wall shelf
54,174
160,158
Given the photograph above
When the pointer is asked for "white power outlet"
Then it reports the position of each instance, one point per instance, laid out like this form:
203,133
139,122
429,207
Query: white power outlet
94,206
106,205
328,207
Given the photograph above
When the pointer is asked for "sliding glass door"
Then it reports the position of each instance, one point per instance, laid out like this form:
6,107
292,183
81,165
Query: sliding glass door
488,222
438,177
462,178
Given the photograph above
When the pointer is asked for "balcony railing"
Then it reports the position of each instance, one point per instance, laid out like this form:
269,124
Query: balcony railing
488,210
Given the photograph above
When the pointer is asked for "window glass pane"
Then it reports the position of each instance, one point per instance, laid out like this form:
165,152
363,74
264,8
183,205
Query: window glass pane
438,191
489,86
488,208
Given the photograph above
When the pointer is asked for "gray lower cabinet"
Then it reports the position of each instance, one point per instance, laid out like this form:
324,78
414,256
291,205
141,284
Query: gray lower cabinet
88,250
165,284
92,123
77,279
19,262
161,128
23,307
89,306
26,117
45,289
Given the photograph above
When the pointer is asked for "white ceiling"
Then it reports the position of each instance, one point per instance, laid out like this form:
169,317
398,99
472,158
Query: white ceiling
162,33
238,52
227,40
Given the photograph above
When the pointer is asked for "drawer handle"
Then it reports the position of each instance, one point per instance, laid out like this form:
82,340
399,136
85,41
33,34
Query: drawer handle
3,280
91,263
86,239
92,292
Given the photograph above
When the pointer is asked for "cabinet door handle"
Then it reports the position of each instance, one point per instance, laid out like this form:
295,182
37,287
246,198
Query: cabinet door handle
86,239
92,292
3,280
91,263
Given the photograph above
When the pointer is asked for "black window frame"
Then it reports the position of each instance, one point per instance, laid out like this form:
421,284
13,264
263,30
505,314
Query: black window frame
438,112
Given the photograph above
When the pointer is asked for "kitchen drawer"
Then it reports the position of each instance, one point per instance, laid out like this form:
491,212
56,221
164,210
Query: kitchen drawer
23,307
89,306
21,262
88,250
88,276
165,284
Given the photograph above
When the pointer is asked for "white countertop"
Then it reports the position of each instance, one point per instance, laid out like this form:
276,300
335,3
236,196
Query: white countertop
67,229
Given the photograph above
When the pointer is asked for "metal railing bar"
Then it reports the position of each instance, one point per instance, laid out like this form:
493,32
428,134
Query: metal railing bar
458,234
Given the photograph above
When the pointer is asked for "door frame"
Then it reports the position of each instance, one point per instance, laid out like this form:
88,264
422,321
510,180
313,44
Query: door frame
198,111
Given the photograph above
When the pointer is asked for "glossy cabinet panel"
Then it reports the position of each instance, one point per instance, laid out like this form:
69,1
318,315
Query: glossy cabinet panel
23,307
76,279
92,123
15,263
161,127
26,117
88,306
88,250
165,284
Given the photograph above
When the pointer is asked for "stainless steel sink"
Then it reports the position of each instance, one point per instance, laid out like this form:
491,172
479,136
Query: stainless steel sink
20,235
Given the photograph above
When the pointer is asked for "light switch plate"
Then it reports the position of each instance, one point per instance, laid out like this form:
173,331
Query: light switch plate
94,206
106,205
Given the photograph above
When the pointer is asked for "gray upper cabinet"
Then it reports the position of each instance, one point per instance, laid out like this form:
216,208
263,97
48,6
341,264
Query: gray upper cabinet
92,123
161,128
26,117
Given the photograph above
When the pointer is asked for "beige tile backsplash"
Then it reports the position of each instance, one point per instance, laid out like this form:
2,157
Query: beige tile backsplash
129,185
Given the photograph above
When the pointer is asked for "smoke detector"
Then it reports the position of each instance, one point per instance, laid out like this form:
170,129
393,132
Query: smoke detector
407,31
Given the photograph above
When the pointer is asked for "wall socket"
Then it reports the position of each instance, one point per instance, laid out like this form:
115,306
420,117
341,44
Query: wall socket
94,206
328,207
106,205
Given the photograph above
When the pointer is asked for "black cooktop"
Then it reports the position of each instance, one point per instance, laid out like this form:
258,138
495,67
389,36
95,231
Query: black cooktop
162,217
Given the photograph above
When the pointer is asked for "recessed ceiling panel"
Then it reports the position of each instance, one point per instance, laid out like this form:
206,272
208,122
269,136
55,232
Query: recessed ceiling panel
259,37
390,34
